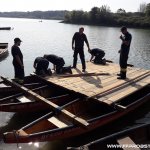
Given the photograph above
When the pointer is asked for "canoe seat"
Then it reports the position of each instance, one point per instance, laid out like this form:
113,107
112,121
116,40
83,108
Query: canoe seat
3,85
22,133
127,141
23,99
57,122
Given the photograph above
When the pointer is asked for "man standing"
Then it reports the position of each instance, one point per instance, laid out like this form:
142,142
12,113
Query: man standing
18,60
124,51
79,38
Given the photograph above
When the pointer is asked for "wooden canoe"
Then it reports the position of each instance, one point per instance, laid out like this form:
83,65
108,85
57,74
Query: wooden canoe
138,135
3,49
14,100
55,125
29,82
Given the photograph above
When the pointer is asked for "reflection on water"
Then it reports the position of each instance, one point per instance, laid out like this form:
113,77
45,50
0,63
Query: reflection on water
53,37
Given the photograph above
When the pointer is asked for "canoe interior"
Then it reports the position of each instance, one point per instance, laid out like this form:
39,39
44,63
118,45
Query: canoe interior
44,91
3,45
85,109
8,95
139,135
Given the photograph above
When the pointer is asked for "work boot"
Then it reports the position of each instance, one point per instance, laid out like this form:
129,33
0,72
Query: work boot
83,70
122,75
118,74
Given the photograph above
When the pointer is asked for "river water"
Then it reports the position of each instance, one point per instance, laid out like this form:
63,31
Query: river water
52,37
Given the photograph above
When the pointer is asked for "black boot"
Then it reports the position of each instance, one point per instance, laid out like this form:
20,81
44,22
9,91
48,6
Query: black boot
118,74
122,75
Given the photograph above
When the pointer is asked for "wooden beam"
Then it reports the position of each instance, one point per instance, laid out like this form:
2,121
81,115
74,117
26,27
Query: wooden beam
120,84
83,75
53,106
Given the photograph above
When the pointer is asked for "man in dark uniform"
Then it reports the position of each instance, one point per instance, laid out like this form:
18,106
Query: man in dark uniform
124,51
58,63
97,56
41,66
79,38
18,60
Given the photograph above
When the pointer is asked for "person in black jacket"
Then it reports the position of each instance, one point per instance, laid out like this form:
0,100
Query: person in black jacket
97,56
79,38
41,66
124,51
58,63
18,60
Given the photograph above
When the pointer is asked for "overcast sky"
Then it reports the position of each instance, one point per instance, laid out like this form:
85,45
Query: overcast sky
86,5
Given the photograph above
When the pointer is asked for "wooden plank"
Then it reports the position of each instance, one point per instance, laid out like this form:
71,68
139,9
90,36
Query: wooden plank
123,92
113,79
83,75
57,122
146,80
52,105
88,83
126,92
72,80
94,85
128,142
120,83
21,132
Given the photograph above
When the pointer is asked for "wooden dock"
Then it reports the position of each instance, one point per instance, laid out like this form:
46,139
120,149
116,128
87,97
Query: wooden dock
100,82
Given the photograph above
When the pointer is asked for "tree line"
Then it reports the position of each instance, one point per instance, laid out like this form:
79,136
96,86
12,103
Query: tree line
103,16
35,14
96,16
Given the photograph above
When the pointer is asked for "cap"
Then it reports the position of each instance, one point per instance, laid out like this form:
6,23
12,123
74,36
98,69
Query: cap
17,40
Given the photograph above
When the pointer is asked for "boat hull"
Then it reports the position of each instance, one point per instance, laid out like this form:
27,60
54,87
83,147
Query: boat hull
72,130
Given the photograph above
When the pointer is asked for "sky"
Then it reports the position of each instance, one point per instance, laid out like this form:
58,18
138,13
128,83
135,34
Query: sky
85,5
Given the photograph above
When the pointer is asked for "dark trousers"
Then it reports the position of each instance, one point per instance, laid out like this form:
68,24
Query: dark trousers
98,59
42,66
59,66
81,54
19,72
59,69
123,61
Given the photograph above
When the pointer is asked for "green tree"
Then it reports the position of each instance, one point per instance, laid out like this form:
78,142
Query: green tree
94,14
121,11
142,8
148,10
104,14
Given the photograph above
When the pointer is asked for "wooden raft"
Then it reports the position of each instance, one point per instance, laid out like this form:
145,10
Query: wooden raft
103,84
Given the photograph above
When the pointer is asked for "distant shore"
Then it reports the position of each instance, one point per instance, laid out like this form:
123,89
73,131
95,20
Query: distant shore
94,17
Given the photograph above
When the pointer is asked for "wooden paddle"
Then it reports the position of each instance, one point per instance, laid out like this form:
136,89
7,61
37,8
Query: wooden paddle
52,105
